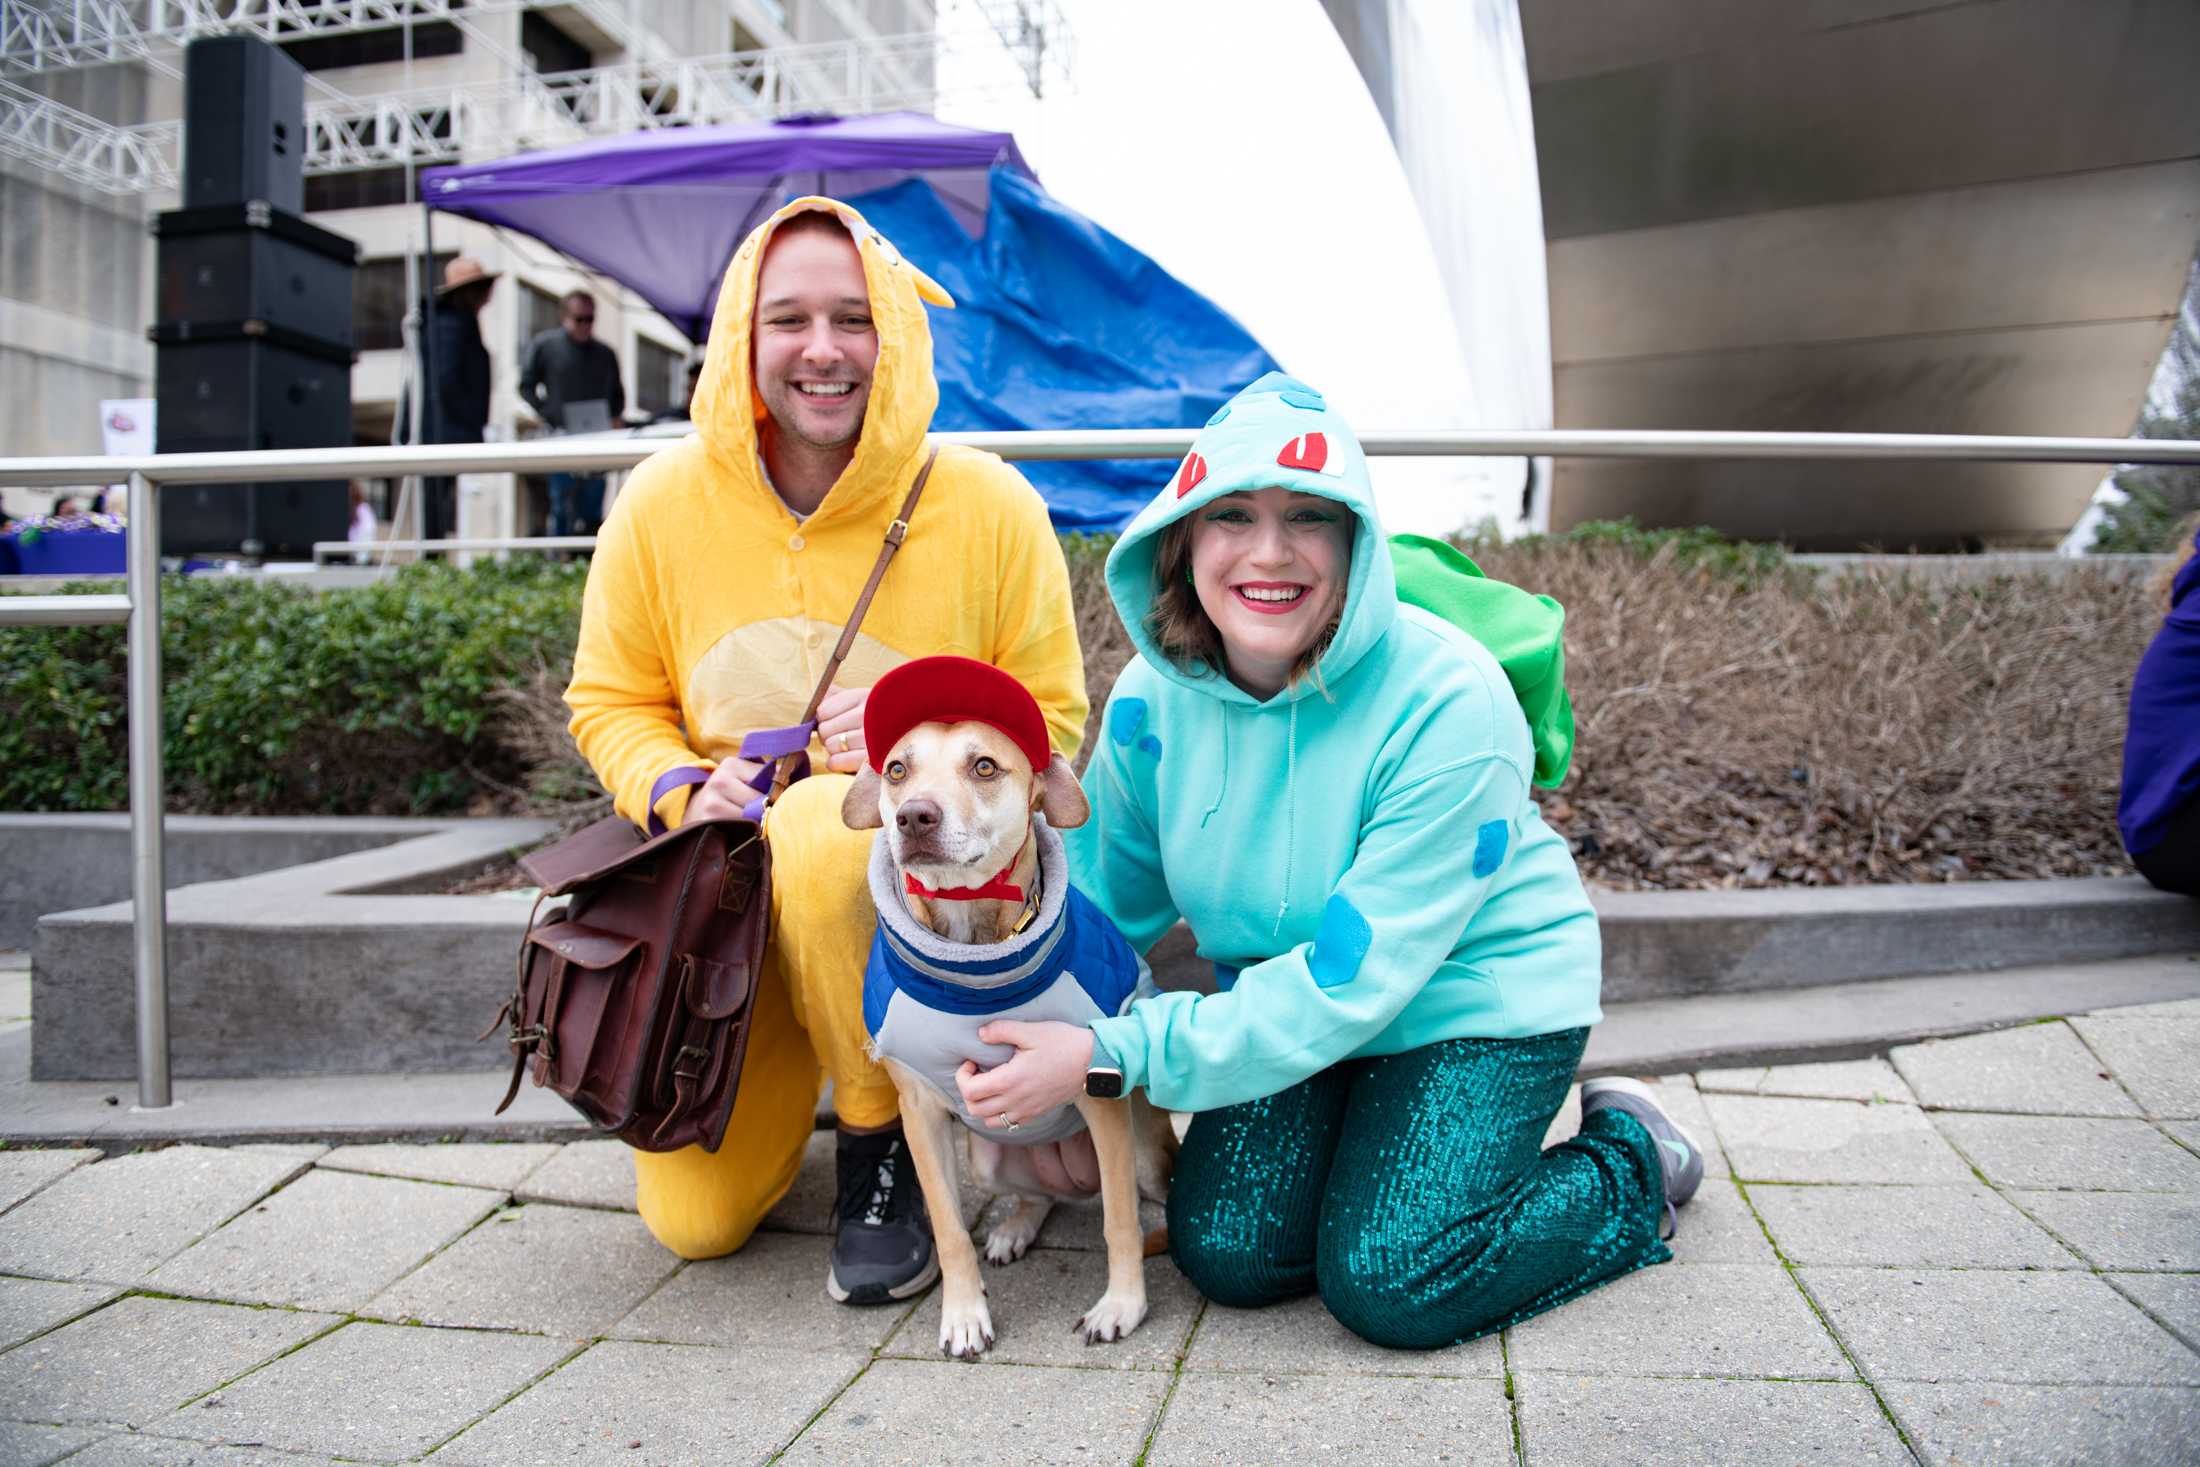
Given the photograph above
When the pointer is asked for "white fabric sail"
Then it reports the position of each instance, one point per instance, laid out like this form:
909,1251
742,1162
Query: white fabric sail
1450,78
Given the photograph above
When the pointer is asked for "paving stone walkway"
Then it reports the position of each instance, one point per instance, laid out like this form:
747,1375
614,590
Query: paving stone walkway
1980,1250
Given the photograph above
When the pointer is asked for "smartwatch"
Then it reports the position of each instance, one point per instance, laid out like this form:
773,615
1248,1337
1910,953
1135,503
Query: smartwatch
1103,1076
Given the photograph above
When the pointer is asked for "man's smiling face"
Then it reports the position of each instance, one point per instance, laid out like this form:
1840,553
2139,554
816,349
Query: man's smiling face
815,344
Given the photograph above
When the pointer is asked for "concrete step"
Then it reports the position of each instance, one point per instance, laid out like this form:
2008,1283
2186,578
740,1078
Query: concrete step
1850,1020
1657,1036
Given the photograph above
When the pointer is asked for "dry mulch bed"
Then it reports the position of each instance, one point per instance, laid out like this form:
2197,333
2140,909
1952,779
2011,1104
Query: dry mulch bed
1741,722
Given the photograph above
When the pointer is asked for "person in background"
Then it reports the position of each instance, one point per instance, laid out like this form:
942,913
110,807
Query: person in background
458,406
571,382
2158,812
68,506
364,527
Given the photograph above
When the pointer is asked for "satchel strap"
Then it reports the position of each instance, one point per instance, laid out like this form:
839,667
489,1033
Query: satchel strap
783,769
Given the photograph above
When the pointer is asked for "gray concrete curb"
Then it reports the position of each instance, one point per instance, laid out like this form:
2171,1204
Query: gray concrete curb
1667,944
59,863
1653,1037
341,966
334,967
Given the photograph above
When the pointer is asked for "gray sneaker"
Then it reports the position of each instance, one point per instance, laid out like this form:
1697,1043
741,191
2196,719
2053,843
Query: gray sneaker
882,1240
1679,1157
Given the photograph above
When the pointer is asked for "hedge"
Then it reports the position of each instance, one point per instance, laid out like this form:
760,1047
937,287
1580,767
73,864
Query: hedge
1740,721
375,700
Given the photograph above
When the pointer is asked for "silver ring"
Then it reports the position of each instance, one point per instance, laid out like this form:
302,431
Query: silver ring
843,738
1010,1120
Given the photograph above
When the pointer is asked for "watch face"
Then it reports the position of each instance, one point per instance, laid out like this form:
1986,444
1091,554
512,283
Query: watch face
1104,1084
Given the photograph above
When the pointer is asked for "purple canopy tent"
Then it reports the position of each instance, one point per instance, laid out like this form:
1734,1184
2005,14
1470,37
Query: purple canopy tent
1058,324
666,209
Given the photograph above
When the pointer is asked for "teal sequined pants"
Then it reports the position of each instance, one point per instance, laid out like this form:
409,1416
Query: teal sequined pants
1413,1192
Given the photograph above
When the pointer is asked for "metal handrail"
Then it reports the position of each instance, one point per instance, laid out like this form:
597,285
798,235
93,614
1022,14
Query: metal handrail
64,611
140,609
562,455
328,550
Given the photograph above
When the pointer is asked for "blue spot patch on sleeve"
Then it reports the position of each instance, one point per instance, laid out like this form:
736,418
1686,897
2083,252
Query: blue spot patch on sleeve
1303,397
1489,846
1126,719
1220,413
1150,745
1341,942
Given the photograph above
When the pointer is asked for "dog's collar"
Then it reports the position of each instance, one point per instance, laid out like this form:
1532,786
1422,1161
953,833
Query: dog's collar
999,889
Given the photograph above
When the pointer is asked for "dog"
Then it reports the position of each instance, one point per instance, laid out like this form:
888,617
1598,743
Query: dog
968,858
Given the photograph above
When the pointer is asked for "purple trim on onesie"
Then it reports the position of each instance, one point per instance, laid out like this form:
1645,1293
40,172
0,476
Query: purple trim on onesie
769,745
667,782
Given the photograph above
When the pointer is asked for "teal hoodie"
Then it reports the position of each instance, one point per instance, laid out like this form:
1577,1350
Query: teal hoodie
1364,868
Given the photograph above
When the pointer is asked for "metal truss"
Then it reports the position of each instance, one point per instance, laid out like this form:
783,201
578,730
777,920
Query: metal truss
515,113
866,72
62,35
119,160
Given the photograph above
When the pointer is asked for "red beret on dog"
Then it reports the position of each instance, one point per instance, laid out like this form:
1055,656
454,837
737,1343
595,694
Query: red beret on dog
952,690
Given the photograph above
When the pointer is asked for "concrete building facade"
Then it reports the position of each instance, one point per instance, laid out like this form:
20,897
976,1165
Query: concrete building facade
77,284
1970,216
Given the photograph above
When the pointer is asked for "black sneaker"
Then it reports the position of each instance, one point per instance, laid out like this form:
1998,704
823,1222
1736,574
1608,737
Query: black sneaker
882,1241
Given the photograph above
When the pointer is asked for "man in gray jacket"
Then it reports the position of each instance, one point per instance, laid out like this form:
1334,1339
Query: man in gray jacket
571,381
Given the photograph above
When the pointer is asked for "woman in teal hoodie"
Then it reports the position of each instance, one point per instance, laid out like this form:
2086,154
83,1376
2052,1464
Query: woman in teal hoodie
1332,790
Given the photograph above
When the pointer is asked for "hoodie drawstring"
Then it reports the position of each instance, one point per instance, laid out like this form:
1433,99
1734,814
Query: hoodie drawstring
1290,810
1223,783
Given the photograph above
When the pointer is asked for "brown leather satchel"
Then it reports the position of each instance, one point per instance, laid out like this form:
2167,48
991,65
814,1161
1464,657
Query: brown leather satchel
634,999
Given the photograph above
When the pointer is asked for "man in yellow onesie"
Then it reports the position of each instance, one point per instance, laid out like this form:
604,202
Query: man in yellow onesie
720,583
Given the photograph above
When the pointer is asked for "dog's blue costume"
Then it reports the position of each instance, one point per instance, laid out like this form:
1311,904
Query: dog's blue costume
925,998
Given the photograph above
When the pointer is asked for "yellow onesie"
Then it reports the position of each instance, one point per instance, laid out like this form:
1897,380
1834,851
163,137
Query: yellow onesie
711,611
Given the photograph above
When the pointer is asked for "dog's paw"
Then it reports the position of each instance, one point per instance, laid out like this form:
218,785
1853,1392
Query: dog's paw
1012,1237
1006,1244
965,1329
1114,1317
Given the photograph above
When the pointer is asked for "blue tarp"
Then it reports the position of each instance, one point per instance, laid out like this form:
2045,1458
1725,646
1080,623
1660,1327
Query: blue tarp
1059,323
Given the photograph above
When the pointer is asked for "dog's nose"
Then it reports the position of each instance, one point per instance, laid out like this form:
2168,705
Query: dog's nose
917,817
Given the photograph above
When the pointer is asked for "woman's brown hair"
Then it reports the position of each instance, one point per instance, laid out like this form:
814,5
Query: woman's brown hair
1184,632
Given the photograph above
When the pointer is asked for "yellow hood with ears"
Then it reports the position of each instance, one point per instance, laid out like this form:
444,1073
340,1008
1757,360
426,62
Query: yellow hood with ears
903,395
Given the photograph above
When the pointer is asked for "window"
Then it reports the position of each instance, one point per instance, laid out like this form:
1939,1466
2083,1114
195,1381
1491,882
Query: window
367,189
378,301
550,50
538,312
368,48
660,378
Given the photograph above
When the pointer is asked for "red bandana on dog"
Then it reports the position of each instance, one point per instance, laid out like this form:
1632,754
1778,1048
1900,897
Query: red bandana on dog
999,889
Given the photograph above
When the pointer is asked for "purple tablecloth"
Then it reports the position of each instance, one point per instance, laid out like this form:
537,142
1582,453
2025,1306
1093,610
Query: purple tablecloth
86,552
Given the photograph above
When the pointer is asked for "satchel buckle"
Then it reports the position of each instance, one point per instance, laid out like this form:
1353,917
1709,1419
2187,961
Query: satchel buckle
534,1037
688,1063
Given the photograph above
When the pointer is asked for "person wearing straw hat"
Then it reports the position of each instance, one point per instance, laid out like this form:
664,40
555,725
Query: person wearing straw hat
458,402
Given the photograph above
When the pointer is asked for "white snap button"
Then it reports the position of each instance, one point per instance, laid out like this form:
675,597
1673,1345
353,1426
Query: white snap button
795,543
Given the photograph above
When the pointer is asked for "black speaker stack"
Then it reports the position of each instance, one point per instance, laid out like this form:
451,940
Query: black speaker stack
253,334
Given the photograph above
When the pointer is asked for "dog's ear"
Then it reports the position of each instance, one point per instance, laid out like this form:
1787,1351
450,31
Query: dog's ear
1061,797
859,807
